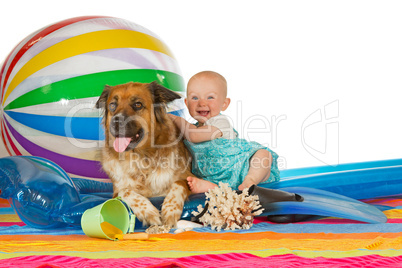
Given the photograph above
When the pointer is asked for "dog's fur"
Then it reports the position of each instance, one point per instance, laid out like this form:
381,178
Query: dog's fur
156,162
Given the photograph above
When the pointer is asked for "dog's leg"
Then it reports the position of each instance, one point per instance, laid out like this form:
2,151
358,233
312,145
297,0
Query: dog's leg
142,207
172,206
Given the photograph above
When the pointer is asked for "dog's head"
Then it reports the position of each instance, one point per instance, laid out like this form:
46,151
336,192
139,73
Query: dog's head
131,111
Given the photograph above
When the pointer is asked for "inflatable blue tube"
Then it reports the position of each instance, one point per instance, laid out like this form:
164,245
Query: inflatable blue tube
297,172
37,189
358,184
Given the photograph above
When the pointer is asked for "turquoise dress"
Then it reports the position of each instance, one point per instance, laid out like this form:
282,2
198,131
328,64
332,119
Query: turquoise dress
227,160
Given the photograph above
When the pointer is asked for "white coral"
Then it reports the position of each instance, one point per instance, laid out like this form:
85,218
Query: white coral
229,210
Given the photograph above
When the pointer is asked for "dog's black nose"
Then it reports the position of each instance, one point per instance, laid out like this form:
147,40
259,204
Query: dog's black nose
117,125
118,119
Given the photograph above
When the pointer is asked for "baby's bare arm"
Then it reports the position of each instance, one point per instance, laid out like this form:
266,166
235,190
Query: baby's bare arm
193,133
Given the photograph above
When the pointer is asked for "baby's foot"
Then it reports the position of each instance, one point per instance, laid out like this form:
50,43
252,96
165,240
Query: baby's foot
199,185
247,183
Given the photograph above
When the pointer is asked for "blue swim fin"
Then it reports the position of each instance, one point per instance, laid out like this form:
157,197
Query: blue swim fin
321,203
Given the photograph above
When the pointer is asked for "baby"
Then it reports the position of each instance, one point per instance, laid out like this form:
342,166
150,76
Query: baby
218,154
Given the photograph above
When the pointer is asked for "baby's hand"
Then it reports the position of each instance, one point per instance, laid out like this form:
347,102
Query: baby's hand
173,117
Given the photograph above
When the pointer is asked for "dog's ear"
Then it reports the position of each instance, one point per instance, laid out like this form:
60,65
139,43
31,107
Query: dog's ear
101,103
161,94
161,97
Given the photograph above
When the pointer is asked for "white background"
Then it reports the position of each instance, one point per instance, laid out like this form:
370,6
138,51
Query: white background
284,62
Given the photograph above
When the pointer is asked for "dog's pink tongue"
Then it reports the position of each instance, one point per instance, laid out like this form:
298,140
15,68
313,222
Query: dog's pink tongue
120,144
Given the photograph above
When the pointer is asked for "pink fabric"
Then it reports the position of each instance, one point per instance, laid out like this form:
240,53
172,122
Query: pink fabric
6,224
218,260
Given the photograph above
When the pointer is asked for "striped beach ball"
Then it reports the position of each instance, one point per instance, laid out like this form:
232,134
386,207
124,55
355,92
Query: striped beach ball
51,81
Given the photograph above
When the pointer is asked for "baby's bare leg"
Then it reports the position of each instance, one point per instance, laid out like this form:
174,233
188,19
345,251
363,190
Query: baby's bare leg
260,169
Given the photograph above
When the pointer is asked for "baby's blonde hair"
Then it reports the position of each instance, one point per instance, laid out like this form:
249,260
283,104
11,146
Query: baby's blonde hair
210,74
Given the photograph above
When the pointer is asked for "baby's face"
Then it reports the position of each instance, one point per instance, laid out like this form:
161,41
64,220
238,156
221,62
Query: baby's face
206,98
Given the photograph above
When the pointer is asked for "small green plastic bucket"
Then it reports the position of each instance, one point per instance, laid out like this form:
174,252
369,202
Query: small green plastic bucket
112,211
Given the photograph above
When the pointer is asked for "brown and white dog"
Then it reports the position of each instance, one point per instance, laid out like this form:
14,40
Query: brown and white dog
143,154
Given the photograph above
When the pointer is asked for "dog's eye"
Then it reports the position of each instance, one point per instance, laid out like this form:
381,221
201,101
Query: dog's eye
137,106
112,106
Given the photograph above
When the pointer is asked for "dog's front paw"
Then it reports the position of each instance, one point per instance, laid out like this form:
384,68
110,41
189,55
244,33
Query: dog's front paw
171,212
148,216
142,208
172,206
170,217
